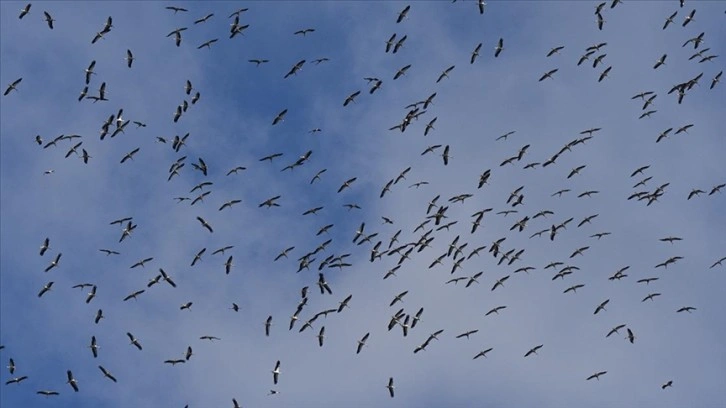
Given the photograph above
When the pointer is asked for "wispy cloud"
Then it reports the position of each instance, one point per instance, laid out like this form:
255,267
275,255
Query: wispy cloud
231,125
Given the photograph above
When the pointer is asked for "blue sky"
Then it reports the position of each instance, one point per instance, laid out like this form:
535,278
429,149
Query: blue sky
230,126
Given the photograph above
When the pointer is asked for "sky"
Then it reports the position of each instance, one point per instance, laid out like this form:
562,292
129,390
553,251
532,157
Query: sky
231,125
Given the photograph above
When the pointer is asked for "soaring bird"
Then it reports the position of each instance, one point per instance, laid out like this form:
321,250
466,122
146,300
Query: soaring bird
601,306
499,48
660,61
72,381
208,44
25,11
16,380
205,224
390,386
475,53
13,86
445,73
45,246
361,343
48,19
276,372
54,262
280,117
401,72
351,98
548,74
402,15
135,342
203,19
533,350
597,375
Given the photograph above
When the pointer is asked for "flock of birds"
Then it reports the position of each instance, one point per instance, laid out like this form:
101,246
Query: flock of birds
458,254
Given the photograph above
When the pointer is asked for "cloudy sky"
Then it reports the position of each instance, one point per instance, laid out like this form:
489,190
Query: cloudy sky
230,125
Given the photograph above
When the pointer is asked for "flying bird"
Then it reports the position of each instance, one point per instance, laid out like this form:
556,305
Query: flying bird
276,372
280,117
72,381
13,86
390,387
25,11
548,74
48,19
205,224
499,48
403,13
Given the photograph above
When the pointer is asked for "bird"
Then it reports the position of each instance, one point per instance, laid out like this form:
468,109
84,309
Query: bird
716,80
467,334
45,246
660,61
499,48
445,73
107,374
130,155
16,380
601,306
481,4
270,202
597,375
205,224
604,74
72,381
321,336
483,353
276,372
280,117
304,31
295,69
631,336
134,341
351,98
129,58
229,204
555,50
13,86
347,184
403,13
669,20
689,18
54,262
24,11
667,384
208,44
401,71
390,387
48,19
533,350
204,19
475,53
548,74
362,343
94,347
